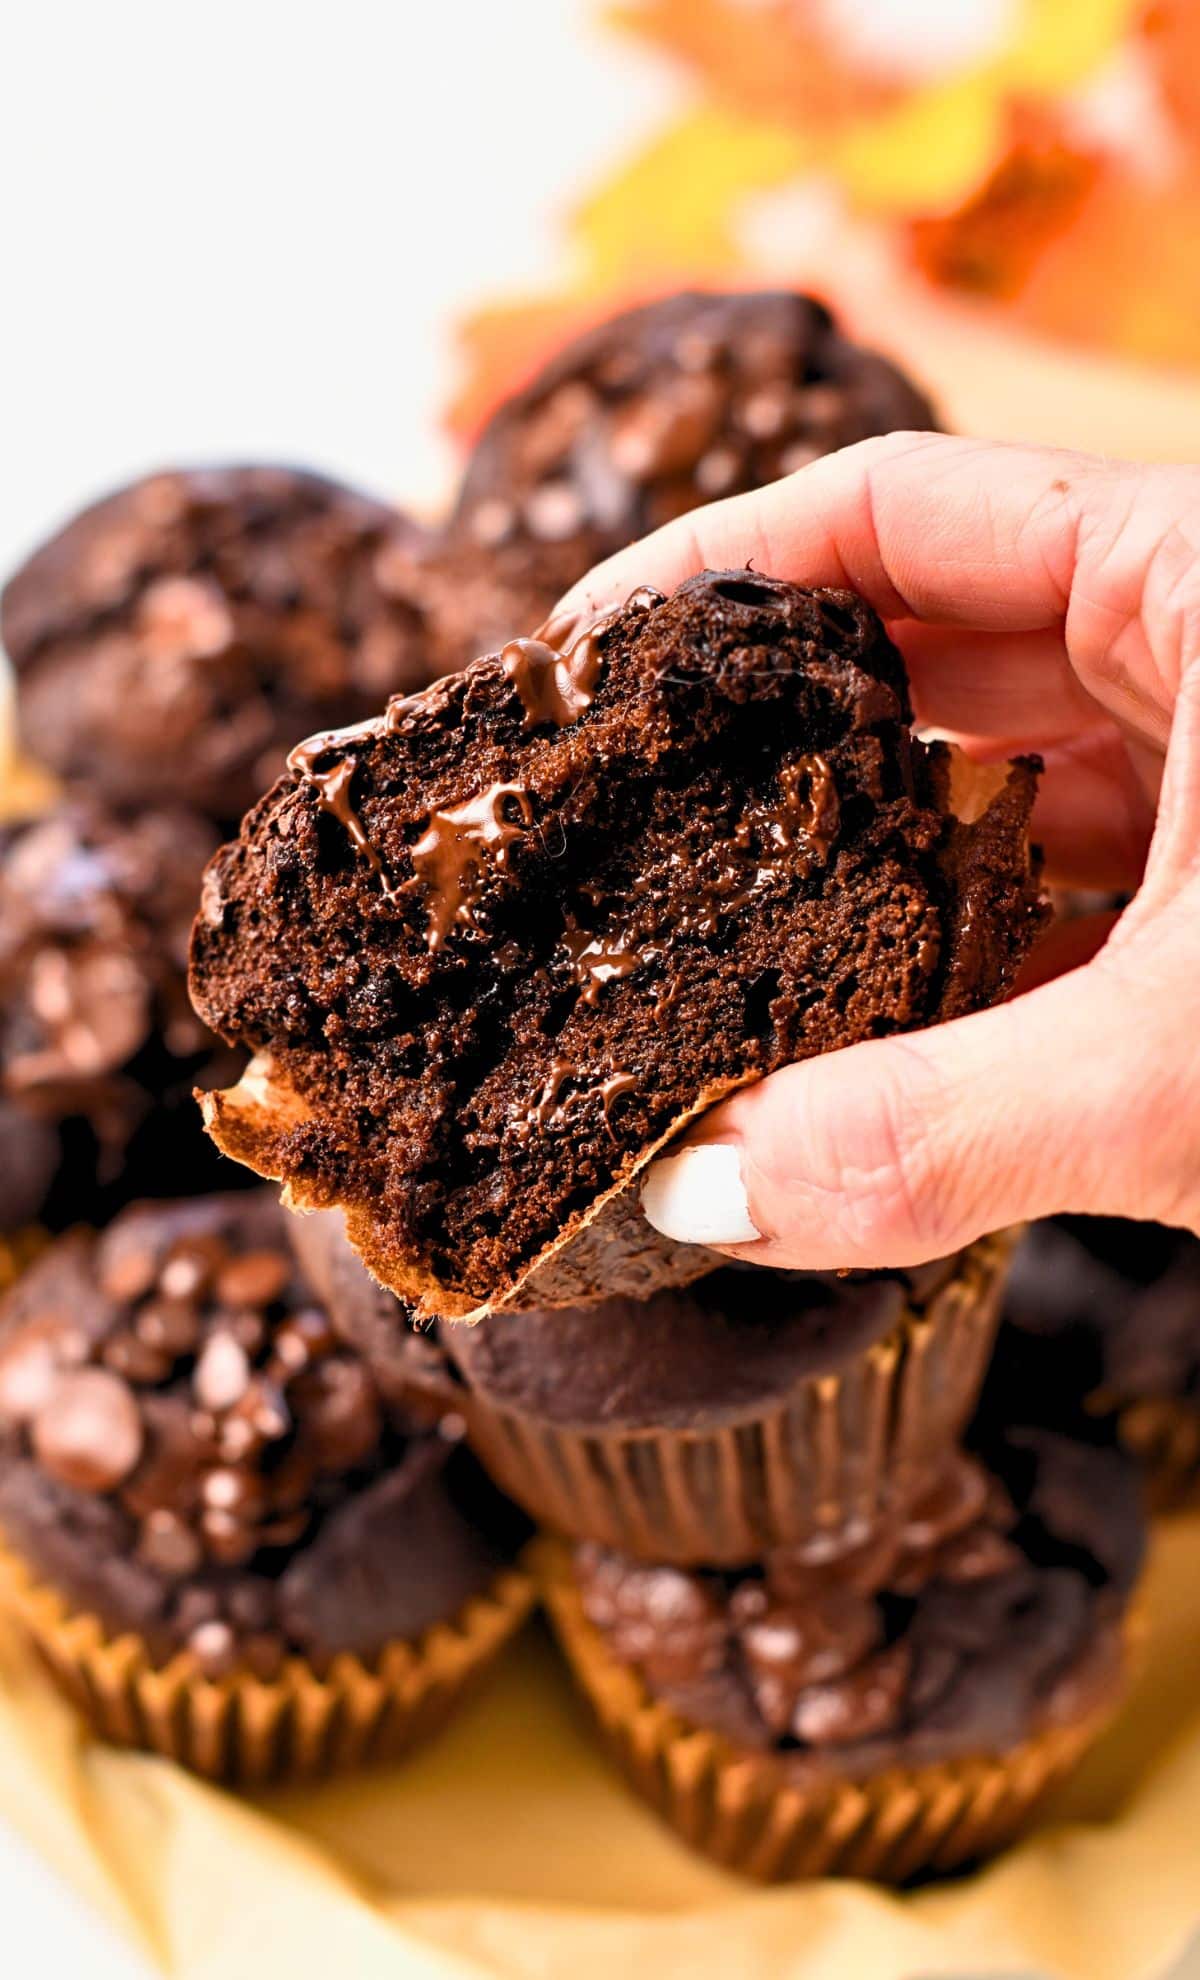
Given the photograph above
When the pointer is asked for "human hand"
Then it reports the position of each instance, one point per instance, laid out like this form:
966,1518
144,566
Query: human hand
1043,601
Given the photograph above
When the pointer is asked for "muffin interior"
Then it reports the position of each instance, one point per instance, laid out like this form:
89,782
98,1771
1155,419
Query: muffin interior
496,945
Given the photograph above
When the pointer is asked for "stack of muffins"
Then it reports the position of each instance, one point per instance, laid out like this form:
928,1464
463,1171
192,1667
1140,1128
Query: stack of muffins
254,1516
820,1632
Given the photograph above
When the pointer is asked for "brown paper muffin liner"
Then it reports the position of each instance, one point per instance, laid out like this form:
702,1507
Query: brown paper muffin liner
245,1731
827,1458
741,1808
1163,1434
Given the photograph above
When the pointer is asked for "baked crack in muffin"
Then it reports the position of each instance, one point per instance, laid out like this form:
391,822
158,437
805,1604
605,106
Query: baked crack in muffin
494,948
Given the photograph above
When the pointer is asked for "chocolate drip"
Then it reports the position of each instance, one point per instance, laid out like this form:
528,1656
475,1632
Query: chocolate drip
807,812
331,785
809,808
553,687
557,671
600,959
453,854
549,1107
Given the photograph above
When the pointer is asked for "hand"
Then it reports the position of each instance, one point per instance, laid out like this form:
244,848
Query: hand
1045,601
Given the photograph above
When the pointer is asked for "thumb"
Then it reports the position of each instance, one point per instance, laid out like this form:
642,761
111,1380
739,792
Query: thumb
902,1149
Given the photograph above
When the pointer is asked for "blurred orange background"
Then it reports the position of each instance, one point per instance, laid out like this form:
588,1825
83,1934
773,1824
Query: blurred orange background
1010,184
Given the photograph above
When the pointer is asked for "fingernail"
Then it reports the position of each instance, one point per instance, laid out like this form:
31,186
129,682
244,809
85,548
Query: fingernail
698,1196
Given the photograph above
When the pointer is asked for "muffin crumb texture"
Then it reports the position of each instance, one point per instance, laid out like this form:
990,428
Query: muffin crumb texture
494,947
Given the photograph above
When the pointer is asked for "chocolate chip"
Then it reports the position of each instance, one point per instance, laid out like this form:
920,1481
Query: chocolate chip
127,1273
89,1434
227,1539
30,1363
865,1703
264,1408
168,1544
247,1328
256,1278
304,1337
195,1607
188,1272
236,1492
169,1325
214,1647
130,1356
221,1373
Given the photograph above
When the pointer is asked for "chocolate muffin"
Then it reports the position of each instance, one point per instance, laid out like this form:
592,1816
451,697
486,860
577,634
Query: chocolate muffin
189,1457
99,1046
1102,1316
175,639
754,1410
494,948
899,1710
663,408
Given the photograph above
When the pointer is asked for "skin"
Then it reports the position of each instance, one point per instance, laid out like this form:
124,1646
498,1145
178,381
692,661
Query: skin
1044,601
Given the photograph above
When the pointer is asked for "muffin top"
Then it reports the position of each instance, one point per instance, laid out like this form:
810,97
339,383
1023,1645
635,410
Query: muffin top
97,1036
987,1610
668,406
495,946
187,1451
687,1358
173,640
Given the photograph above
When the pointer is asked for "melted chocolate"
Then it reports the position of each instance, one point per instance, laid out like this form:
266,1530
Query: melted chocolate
553,687
550,1110
556,672
453,855
600,959
332,785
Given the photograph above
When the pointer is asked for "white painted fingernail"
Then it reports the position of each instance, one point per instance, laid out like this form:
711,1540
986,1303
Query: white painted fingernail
698,1196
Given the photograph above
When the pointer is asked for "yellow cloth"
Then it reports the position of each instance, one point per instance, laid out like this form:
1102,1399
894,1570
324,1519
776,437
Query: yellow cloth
510,1849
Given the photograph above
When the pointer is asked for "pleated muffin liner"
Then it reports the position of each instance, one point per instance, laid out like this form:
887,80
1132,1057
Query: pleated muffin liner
825,1461
247,1731
740,1808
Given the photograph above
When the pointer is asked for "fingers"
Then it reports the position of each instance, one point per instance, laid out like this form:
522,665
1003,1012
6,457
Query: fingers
967,533
1014,685
1082,1095
958,532
1092,816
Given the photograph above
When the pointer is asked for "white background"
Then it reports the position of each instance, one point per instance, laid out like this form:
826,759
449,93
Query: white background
242,230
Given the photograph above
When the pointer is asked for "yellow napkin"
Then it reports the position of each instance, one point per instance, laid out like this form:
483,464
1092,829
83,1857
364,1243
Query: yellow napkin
510,1849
